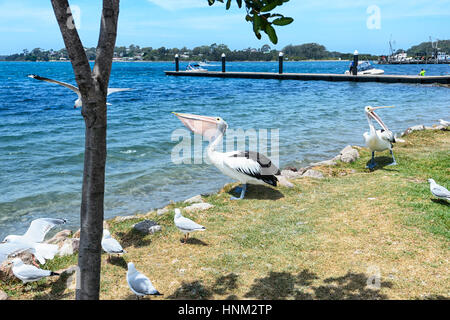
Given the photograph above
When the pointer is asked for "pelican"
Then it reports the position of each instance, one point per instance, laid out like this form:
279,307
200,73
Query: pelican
78,102
248,167
378,140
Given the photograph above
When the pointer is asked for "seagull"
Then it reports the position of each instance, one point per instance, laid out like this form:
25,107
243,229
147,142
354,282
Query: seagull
186,225
32,239
139,284
29,273
111,245
444,123
378,140
244,166
439,191
78,102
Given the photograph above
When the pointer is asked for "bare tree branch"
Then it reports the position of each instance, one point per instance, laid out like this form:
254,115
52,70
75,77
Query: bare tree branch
75,49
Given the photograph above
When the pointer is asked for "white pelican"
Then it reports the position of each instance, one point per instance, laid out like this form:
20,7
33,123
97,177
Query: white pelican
245,166
378,140
186,225
139,284
78,102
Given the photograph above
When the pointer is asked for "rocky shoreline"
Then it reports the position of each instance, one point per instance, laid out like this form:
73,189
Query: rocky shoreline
68,241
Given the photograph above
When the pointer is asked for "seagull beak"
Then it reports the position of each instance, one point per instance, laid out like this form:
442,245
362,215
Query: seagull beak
202,125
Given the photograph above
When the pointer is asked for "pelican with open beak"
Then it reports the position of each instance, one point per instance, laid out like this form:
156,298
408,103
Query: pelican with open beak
248,167
378,140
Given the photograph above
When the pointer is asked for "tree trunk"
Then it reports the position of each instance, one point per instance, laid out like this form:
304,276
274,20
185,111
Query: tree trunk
93,86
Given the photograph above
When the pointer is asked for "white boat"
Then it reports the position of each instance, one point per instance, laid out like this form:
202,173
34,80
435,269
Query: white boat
366,68
194,68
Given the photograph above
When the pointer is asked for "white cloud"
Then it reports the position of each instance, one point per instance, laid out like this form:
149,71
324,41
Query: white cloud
173,5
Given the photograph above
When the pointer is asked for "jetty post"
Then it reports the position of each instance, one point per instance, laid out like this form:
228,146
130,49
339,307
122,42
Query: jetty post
355,63
223,62
280,62
177,63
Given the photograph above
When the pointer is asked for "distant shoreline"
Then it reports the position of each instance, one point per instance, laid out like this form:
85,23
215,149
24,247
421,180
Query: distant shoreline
188,61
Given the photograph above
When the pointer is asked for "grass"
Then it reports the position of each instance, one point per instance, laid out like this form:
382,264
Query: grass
322,239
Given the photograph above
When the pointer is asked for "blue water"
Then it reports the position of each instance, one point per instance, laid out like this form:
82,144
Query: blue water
42,136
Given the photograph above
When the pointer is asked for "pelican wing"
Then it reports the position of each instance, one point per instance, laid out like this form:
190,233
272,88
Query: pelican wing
186,224
387,135
39,228
253,164
67,85
114,90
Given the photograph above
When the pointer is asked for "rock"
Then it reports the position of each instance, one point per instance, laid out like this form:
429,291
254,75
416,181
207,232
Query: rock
147,227
439,127
125,218
198,207
288,174
3,295
196,199
59,237
77,234
291,169
284,182
69,247
313,174
349,154
162,211
413,128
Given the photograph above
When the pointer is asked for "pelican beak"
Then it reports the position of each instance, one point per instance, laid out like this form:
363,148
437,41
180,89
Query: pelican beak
377,118
202,125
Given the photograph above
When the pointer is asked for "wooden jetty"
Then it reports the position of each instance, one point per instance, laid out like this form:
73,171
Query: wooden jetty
315,76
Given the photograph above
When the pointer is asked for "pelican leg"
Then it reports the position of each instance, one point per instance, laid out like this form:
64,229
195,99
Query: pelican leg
244,189
372,164
394,163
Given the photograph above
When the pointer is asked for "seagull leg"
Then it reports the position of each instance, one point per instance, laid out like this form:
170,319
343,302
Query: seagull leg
33,261
394,163
243,191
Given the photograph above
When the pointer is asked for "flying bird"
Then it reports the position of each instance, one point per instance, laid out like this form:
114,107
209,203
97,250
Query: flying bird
139,284
78,102
439,191
248,167
33,238
186,225
378,140
29,273
111,245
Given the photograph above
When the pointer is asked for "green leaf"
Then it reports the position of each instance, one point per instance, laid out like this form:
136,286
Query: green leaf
271,33
211,2
282,21
256,23
239,2
228,4
269,7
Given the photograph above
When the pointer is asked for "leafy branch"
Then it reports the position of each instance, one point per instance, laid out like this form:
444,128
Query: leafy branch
259,14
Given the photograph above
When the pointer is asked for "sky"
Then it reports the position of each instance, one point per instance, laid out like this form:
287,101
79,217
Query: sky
339,25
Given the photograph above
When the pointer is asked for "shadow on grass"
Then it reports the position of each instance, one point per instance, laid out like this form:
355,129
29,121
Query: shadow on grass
258,192
383,163
133,238
194,241
117,261
57,289
284,285
441,201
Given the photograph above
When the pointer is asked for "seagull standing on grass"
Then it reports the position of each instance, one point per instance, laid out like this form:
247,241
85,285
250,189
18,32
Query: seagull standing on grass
78,102
111,245
29,273
139,284
33,238
186,225
439,191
